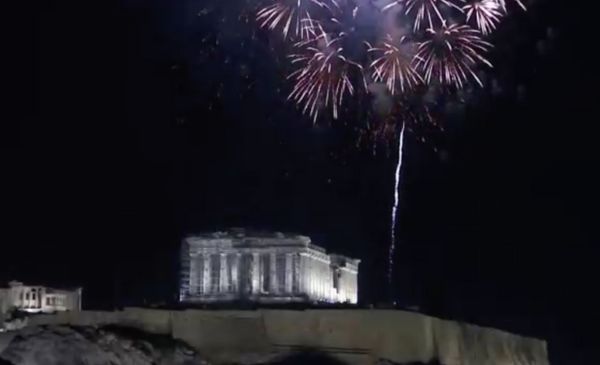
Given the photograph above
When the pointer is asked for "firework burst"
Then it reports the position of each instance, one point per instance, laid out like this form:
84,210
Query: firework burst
445,54
286,15
328,60
485,13
451,54
324,76
425,11
502,4
393,64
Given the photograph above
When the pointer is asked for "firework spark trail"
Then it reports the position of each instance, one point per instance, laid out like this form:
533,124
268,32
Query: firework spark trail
428,10
395,207
486,14
288,13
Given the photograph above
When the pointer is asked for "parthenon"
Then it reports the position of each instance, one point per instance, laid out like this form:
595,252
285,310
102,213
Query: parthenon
264,267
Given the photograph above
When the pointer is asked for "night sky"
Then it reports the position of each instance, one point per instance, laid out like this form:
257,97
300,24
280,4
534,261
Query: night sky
133,123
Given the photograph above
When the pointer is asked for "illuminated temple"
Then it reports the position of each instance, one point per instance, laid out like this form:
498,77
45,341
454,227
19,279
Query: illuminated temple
263,267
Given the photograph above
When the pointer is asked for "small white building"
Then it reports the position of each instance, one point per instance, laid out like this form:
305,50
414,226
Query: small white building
264,267
38,299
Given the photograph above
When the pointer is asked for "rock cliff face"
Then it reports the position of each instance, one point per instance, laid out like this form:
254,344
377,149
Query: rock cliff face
54,345
60,345
259,336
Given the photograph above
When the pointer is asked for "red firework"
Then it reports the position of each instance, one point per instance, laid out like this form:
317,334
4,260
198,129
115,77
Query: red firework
451,54
324,77
394,65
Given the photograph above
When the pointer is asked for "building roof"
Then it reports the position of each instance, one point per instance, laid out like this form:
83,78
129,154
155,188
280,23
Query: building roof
274,238
16,283
238,233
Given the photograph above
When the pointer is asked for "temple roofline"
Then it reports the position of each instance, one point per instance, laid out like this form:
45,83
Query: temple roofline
241,237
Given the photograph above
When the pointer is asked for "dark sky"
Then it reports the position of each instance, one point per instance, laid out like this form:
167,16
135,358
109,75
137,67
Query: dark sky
131,124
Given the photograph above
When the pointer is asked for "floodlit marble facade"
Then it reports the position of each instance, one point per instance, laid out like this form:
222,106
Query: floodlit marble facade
264,267
38,299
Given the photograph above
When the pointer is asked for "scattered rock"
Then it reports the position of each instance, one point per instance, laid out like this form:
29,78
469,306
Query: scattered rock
54,345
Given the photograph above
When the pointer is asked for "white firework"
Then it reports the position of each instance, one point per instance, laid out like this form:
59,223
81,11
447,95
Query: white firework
393,65
485,13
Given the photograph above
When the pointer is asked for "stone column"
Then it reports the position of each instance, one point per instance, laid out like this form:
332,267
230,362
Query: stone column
329,283
297,274
317,271
325,281
320,279
303,283
273,274
255,273
235,268
224,277
193,275
313,277
308,275
206,275
289,272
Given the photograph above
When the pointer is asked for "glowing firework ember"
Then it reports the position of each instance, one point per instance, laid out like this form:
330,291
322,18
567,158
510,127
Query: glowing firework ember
451,54
486,14
394,64
324,77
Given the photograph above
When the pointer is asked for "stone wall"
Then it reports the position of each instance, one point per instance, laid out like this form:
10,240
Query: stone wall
83,318
355,336
224,337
